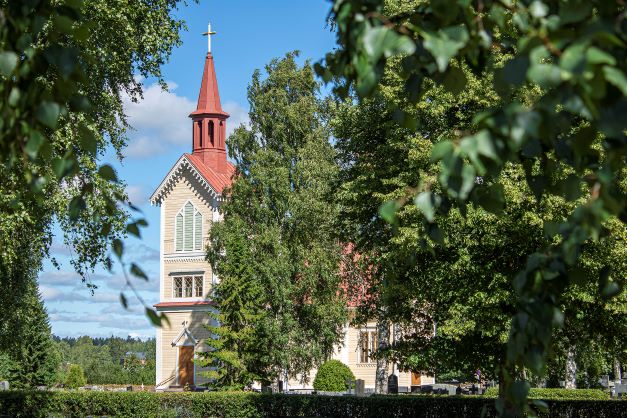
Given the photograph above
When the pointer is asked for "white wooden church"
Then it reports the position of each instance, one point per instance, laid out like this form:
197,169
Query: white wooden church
189,197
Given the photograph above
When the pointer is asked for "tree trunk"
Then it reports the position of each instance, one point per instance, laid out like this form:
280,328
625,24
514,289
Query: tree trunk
618,372
570,377
381,380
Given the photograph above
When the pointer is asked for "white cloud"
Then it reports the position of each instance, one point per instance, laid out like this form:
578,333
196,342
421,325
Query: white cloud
53,294
60,278
161,120
239,116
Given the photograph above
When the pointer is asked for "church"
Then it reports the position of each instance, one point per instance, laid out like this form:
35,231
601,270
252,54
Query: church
189,198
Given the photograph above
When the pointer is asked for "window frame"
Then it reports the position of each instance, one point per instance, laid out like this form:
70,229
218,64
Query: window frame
369,342
194,289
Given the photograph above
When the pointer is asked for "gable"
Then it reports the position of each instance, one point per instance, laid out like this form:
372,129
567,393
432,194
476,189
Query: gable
204,180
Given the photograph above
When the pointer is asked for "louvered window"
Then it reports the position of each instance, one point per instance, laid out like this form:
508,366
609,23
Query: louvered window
188,229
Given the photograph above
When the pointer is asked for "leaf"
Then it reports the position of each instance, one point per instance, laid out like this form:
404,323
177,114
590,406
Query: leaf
382,40
34,143
108,173
616,77
441,149
574,11
76,207
8,62
595,55
455,80
118,247
515,70
133,229
48,113
123,301
387,211
519,390
545,75
445,44
491,198
153,317
138,272
425,203
538,9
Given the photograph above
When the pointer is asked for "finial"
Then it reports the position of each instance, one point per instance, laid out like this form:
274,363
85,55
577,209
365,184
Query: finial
208,34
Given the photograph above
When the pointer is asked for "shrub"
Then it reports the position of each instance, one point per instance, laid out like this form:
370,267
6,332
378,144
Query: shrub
75,377
332,376
558,393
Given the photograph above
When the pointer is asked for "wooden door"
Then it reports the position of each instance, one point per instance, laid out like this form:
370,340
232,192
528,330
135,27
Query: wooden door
186,365
415,379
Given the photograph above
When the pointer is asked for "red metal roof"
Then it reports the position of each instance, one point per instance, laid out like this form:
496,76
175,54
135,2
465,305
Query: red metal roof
217,180
183,304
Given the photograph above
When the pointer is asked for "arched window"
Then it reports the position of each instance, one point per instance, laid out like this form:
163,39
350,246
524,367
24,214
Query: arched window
211,132
188,229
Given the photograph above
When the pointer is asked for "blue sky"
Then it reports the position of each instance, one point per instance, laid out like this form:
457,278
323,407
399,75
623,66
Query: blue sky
249,34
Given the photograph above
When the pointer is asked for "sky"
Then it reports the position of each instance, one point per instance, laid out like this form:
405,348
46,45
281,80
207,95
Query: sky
249,34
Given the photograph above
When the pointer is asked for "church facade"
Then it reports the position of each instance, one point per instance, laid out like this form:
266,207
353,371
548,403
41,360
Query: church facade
189,198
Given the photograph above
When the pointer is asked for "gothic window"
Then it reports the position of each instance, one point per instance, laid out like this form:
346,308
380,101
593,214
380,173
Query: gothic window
188,229
367,345
187,286
211,132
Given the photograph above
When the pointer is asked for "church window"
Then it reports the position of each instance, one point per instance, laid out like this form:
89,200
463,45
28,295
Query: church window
178,287
188,229
367,346
211,132
187,286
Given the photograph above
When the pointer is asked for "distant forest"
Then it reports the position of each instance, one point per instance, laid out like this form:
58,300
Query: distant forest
111,360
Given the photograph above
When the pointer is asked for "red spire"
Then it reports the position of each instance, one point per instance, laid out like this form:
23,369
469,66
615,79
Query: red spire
210,122
209,97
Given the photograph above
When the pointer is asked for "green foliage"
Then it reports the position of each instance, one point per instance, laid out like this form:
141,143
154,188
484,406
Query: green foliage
233,326
75,377
105,360
279,289
25,338
567,136
332,376
251,405
558,393
64,70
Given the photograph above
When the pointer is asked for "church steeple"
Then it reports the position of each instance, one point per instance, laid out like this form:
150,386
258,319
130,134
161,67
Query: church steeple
209,120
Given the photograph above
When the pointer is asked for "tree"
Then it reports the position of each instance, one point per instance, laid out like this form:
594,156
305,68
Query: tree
233,325
563,48
278,203
64,69
75,377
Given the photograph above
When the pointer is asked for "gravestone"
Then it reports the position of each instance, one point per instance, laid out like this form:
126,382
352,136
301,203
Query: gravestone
393,384
4,385
360,387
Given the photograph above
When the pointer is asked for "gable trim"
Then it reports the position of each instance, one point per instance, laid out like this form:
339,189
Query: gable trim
167,184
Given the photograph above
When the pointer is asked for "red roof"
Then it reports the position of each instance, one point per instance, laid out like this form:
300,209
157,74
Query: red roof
216,179
183,304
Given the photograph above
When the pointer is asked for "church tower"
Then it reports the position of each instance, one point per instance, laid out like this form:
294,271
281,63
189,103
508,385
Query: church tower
189,197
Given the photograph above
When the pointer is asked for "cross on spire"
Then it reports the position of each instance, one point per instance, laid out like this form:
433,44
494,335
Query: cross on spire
208,35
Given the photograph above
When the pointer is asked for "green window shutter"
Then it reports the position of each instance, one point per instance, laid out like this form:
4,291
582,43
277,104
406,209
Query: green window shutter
189,227
179,232
198,231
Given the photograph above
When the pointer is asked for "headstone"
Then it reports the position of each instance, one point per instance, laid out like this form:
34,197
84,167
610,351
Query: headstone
266,389
360,387
4,385
605,381
393,384
129,388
